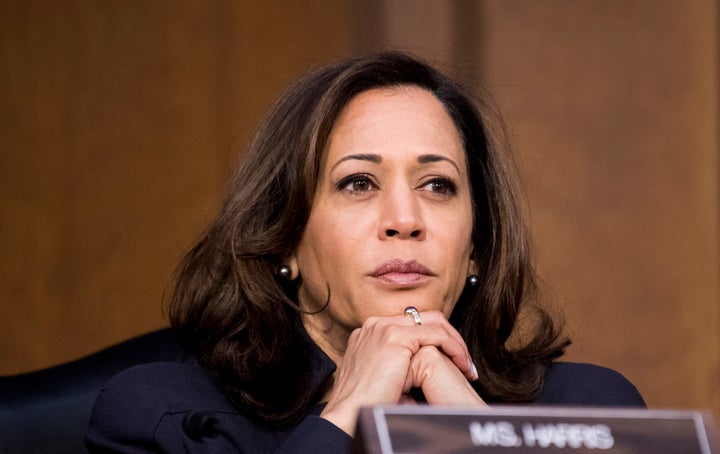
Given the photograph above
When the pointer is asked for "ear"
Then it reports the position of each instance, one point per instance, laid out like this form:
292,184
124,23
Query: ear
293,264
472,268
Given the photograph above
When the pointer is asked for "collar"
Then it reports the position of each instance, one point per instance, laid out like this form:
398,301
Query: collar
321,366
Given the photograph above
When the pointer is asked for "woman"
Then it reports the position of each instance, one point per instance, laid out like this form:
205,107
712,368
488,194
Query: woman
371,250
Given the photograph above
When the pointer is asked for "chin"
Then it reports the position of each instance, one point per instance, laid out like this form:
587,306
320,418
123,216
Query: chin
396,306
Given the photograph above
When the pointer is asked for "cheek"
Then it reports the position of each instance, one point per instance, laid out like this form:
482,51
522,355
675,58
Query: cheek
462,243
324,250
460,237
326,259
340,231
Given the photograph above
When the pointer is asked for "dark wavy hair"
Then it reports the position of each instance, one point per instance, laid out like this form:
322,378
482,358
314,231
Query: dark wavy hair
231,310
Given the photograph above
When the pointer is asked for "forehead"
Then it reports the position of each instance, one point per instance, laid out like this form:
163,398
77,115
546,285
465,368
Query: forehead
403,118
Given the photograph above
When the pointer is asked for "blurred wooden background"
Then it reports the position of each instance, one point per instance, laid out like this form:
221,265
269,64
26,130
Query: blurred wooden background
121,121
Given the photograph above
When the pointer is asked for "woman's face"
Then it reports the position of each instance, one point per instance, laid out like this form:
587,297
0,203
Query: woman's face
391,219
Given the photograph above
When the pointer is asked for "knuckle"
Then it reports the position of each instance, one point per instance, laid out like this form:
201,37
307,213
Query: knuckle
394,335
370,321
434,317
354,335
427,352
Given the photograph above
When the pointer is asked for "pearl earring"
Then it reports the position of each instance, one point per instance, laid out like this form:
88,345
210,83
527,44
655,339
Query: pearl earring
472,280
284,272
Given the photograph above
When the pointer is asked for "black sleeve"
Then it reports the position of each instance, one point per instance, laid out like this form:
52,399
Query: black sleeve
587,385
147,409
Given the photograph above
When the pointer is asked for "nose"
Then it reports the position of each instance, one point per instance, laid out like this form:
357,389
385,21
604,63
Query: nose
401,215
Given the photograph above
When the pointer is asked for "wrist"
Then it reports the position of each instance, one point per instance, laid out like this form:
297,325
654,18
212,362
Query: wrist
344,419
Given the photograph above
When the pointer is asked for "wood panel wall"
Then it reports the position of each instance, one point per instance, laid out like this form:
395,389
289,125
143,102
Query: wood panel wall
613,106
119,123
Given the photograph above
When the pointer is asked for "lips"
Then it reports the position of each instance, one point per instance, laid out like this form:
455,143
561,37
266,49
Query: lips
401,272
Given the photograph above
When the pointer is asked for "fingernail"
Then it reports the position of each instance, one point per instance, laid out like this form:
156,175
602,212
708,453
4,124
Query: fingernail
475,375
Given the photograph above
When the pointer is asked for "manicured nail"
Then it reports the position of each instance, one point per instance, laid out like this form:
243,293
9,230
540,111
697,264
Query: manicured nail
475,375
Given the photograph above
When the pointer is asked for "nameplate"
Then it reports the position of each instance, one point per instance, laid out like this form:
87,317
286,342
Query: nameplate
523,429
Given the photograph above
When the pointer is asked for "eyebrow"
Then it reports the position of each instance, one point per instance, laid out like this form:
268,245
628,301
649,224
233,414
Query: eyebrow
427,158
362,157
377,159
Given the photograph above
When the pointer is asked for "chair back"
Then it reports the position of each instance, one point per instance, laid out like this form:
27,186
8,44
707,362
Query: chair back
48,411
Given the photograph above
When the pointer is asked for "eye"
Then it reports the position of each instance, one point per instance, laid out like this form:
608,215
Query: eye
441,186
357,183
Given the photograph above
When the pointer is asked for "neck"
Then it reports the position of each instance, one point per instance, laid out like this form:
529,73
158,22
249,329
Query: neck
328,335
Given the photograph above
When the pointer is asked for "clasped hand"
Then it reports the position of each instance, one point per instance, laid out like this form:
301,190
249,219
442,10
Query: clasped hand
388,356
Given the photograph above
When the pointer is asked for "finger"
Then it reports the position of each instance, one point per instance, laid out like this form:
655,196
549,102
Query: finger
437,317
439,337
457,350
440,379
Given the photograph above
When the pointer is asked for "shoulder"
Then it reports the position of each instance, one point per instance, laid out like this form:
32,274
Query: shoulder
178,385
136,406
587,384
164,375
179,407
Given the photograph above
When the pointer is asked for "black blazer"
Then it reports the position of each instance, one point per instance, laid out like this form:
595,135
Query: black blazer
178,407
49,410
